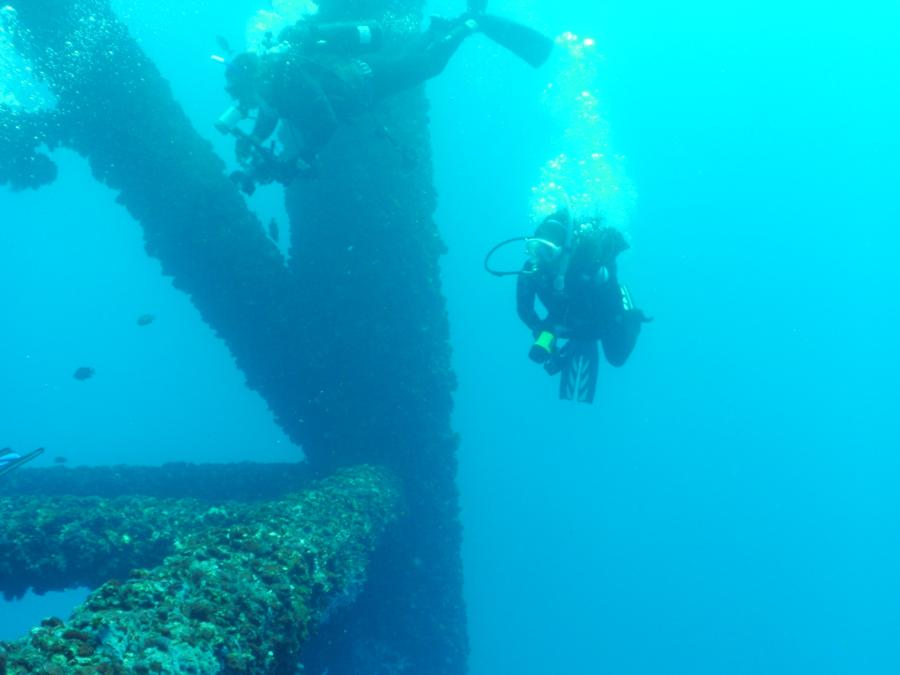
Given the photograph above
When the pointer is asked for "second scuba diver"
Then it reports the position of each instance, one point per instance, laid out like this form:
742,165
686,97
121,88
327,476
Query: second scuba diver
317,76
573,272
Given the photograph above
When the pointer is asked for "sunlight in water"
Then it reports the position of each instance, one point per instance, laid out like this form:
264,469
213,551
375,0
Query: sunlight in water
586,176
19,88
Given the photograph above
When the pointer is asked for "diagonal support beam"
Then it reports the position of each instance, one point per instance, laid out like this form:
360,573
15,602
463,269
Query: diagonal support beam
233,597
139,142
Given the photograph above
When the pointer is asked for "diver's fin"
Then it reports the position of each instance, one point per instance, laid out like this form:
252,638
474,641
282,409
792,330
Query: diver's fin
526,43
578,381
7,466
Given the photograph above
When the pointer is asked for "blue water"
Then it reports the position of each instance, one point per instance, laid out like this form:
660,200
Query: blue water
729,503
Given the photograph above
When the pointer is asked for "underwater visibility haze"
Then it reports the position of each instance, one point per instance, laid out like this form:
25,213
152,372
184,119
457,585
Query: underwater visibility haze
727,504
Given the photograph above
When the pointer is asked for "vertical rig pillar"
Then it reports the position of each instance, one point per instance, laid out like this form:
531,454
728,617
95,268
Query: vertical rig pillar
378,383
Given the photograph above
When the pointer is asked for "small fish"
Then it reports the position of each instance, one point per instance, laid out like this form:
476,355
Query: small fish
83,373
145,319
273,230
60,460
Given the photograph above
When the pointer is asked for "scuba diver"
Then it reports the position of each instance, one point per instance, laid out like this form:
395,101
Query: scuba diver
317,76
572,271
10,460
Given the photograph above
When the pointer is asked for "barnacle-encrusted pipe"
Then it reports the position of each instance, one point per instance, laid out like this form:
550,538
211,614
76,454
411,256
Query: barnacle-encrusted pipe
245,481
114,519
240,598
53,543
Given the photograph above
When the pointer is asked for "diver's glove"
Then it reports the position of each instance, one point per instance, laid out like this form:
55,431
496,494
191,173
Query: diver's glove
554,364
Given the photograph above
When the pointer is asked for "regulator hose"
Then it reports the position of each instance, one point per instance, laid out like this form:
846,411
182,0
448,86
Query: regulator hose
502,273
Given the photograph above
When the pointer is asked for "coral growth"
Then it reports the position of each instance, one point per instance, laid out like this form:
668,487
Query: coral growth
234,597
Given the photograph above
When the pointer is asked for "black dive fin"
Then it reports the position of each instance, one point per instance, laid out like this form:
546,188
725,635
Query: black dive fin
6,467
526,43
578,380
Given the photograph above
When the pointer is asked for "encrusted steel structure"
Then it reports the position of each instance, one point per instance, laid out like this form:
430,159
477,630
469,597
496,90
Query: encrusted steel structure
348,343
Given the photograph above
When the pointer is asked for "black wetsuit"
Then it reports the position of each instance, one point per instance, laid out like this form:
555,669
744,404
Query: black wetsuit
592,306
425,58
313,95
315,92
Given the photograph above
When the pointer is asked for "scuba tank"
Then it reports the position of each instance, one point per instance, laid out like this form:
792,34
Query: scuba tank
229,119
345,37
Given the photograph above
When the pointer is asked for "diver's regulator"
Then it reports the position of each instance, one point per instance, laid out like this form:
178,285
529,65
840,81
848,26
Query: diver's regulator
348,37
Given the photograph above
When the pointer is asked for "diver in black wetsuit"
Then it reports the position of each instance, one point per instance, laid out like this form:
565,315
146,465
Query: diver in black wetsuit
318,76
572,271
